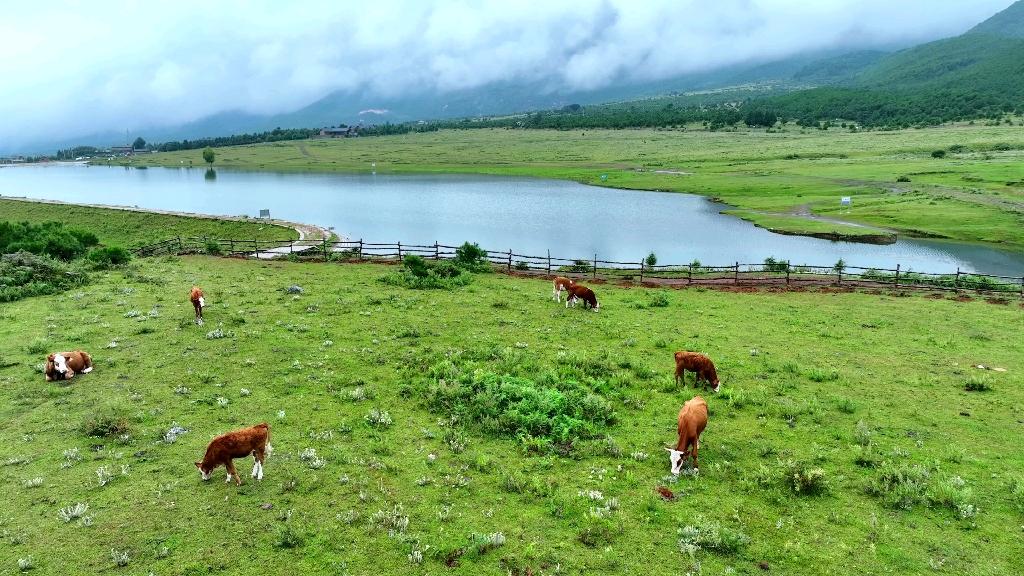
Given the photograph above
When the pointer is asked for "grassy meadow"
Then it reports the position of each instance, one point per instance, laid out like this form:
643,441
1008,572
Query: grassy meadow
973,194
844,440
133,229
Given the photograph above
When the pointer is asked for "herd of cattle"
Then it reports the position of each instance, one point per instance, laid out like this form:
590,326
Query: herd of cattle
255,440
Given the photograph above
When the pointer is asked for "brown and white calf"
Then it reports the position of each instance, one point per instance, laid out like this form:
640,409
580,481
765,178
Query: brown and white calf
560,283
198,302
64,365
693,418
579,292
700,365
223,449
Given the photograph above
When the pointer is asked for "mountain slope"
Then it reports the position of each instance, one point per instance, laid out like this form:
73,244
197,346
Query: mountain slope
1009,22
977,62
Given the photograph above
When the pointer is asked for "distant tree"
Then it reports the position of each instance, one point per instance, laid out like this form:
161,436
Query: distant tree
139,143
209,155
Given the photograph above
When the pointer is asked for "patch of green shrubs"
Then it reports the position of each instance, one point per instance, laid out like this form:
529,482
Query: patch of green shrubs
512,406
419,274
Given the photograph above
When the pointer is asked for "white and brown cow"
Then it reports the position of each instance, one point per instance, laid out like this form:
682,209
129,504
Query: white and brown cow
64,365
198,302
558,285
579,292
693,418
223,449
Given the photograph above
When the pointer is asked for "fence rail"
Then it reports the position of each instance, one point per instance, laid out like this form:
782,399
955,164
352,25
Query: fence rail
768,273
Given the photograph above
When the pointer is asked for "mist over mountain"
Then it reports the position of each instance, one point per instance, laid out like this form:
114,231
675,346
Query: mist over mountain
260,66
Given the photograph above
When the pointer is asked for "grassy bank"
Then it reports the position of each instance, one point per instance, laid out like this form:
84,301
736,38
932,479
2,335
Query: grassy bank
893,177
133,229
817,228
826,452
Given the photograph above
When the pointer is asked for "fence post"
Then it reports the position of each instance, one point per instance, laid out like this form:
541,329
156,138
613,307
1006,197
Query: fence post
840,271
689,273
437,252
256,245
736,278
181,245
641,271
232,246
1022,287
360,248
399,250
549,261
897,276
595,266
787,272
325,249
956,281
510,260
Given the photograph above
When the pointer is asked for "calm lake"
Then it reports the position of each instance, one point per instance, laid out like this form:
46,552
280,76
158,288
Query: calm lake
528,215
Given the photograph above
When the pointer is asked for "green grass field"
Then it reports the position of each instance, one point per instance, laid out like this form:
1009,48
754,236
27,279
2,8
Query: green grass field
846,444
134,229
973,194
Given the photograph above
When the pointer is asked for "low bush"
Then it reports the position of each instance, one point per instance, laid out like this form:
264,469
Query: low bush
110,255
212,247
706,535
471,257
24,274
978,384
419,274
802,479
510,406
899,485
108,420
49,238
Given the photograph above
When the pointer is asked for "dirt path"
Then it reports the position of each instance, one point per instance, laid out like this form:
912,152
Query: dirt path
302,148
806,214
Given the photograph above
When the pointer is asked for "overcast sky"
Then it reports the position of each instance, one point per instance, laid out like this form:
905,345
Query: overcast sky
70,67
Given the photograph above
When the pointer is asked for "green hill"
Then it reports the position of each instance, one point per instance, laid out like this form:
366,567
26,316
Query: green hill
979,63
1009,22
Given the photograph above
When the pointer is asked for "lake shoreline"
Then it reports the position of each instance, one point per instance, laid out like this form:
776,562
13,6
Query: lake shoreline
306,231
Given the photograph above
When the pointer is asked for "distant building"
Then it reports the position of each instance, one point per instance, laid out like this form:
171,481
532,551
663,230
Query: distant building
121,150
349,132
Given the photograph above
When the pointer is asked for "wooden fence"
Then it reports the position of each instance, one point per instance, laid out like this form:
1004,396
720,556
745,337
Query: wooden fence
770,273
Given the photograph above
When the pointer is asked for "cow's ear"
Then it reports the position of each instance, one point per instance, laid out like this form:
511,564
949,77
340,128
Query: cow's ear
50,357
667,448
199,465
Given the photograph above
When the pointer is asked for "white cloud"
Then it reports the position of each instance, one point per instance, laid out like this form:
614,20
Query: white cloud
75,67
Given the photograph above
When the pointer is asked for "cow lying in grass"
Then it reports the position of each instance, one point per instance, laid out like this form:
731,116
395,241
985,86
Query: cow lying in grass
223,449
579,292
560,283
700,365
63,365
693,418
198,302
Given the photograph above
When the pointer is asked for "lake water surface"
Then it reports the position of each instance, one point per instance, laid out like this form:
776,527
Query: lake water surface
528,215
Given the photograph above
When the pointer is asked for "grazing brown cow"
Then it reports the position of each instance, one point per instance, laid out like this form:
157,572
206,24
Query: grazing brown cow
560,283
198,302
693,418
579,292
63,365
700,365
254,440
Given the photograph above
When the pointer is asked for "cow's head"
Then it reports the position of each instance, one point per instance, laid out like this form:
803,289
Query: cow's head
717,384
60,364
676,459
202,302
205,473
596,305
